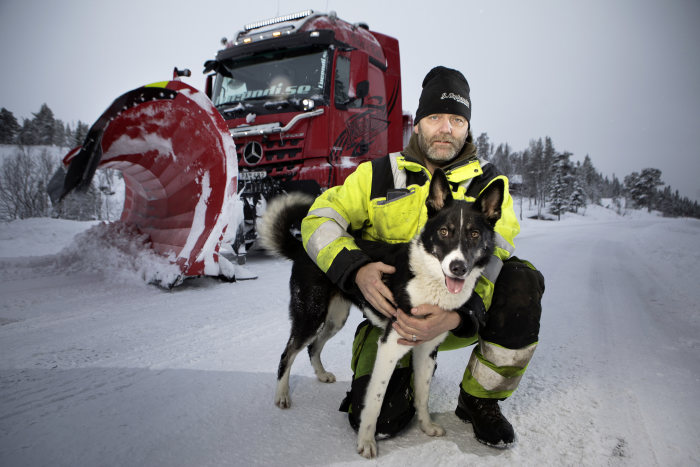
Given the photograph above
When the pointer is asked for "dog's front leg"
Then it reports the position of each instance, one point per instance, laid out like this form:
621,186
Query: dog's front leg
423,368
388,355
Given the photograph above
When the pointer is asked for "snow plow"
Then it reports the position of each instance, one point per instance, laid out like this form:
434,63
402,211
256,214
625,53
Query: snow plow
294,103
180,173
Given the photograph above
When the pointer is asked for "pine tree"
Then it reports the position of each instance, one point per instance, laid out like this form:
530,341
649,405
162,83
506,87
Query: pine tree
9,128
44,125
483,147
549,155
528,188
502,160
577,199
537,174
616,187
667,202
641,187
559,184
81,131
650,178
27,134
590,180
633,188
67,136
59,133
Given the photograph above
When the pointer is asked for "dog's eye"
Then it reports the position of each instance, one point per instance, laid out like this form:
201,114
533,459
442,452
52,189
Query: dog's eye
444,232
475,234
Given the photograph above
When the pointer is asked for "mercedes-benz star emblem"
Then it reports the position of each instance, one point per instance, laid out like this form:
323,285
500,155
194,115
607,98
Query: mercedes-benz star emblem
252,152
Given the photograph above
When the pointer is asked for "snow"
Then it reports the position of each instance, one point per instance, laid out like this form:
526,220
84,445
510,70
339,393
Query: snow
9,150
199,220
200,99
126,144
99,368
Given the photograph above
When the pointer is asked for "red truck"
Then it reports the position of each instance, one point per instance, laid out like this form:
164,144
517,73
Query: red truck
306,97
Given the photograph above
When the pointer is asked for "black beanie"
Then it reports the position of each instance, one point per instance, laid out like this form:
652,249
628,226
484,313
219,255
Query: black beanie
445,91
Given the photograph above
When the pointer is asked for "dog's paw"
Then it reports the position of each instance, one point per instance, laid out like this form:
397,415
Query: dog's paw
367,447
282,400
326,377
283,403
432,429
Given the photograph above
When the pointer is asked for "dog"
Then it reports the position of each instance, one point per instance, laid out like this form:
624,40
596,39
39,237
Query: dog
439,266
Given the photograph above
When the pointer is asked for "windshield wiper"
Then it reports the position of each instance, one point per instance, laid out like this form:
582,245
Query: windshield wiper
278,104
230,105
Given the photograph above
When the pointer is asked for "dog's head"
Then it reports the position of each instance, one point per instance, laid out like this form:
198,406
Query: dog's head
460,234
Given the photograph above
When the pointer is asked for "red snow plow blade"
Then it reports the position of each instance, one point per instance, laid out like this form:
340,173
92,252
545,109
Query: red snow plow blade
180,172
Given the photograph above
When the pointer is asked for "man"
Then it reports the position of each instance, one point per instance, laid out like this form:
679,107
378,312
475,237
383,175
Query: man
384,200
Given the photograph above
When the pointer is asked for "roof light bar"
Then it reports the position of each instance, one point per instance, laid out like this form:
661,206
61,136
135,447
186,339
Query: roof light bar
279,19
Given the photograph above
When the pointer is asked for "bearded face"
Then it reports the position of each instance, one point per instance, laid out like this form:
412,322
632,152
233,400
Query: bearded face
441,137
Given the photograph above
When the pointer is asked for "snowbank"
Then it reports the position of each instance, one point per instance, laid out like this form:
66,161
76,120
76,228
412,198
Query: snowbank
116,251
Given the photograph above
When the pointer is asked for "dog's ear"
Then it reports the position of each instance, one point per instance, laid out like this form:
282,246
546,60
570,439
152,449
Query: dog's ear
490,200
440,193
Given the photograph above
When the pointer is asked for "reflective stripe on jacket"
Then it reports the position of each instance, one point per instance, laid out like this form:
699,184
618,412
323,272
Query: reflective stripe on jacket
380,201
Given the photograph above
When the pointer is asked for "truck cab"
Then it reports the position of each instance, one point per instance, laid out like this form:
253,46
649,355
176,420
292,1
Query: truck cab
306,97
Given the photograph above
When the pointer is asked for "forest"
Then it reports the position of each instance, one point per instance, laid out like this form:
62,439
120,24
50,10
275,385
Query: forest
548,180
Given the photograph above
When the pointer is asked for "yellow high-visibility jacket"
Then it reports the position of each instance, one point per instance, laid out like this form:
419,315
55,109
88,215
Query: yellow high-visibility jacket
384,200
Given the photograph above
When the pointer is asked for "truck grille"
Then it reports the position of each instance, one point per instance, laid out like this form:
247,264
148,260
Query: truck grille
281,158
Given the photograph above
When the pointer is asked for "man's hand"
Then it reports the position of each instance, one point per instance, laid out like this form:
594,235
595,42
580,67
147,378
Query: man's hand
369,280
425,322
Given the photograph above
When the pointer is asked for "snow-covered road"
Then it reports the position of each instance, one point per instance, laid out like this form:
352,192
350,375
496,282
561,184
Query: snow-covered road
97,368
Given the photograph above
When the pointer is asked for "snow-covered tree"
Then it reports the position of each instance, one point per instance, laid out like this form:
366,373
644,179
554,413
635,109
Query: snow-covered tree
502,160
641,187
615,187
44,125
81,131
589,179
27,134
23,182
483,147
536,177
9,128
60,136
577,198
559,184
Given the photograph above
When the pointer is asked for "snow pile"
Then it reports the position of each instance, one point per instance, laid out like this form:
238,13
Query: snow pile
116,251
120,251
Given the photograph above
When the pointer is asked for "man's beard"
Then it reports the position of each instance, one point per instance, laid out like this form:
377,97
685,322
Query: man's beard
436,155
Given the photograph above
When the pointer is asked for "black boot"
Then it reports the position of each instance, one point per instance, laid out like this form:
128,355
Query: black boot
490,426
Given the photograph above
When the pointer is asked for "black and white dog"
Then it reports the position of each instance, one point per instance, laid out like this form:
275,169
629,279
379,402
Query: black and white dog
440,266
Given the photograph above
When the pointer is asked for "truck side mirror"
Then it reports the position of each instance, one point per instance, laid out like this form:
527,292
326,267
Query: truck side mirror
209,86
359,63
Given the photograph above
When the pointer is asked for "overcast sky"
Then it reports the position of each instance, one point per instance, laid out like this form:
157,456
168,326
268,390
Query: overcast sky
617,80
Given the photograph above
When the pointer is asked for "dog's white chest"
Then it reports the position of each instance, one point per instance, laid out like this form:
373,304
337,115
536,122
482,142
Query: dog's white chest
423,290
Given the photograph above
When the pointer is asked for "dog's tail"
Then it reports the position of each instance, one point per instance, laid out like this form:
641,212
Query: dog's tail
281,223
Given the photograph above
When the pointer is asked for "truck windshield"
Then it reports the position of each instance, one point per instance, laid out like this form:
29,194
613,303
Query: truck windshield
278,76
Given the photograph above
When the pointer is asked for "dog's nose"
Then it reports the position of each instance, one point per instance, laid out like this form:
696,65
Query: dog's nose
458,268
